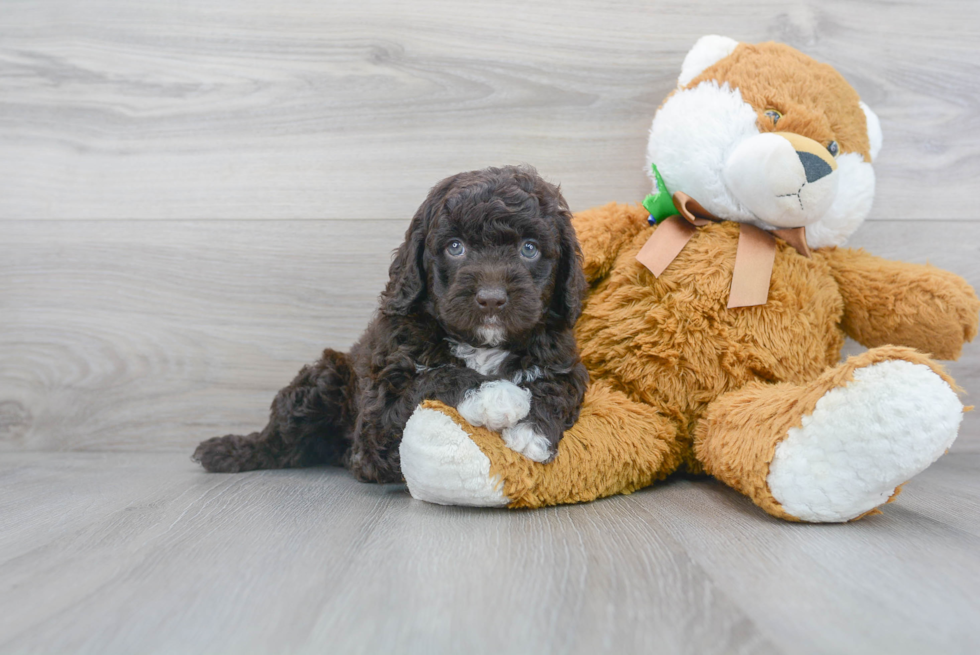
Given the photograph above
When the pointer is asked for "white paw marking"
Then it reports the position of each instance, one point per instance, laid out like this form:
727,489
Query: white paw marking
441,464
863,440
497,405
523,439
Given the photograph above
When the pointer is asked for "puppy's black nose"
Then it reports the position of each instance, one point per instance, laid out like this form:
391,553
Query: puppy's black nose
492,298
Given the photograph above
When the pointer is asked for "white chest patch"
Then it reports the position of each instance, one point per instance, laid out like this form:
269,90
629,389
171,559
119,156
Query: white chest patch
485,361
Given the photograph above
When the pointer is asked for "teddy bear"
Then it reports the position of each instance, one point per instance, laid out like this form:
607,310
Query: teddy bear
717,310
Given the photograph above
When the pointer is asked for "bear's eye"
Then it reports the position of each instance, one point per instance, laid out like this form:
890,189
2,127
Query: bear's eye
833,148
773,115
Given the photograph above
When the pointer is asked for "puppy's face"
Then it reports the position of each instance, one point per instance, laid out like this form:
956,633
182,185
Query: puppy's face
491,254
491,266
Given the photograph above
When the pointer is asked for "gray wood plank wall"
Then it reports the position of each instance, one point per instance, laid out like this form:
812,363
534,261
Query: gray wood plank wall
152,290
293,109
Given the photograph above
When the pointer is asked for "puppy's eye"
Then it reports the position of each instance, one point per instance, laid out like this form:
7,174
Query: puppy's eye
529,250
455,248
833,148
773,115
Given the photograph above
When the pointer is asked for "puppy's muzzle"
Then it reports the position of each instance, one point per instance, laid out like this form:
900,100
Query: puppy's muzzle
491,300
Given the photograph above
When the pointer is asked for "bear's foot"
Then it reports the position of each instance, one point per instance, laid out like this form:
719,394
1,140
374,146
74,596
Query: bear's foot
617,446
443,465
834,449
863,441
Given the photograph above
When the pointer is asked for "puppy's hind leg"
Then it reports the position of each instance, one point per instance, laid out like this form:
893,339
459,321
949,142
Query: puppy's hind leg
309,424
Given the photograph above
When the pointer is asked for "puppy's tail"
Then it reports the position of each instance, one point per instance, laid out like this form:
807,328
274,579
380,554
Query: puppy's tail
310,423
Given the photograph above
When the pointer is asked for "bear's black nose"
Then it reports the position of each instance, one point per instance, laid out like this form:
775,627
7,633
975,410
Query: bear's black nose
814,166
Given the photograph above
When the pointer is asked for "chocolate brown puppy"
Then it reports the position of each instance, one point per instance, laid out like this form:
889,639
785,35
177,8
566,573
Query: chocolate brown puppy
477,313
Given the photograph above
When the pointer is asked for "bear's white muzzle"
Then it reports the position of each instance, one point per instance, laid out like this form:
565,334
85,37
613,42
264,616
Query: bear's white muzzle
785,179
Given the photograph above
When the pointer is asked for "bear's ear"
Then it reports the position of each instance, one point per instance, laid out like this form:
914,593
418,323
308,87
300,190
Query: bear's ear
874,130
707,51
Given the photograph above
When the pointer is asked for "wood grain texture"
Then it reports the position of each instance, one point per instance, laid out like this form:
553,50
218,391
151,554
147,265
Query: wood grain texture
108,553
156,334
294,109
172,330
144,553
908,578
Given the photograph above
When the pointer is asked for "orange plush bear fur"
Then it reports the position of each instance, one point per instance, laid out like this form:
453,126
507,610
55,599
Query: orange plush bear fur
755,396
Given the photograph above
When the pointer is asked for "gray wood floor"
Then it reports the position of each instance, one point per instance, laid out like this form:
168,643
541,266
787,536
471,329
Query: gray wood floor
127,552
196,198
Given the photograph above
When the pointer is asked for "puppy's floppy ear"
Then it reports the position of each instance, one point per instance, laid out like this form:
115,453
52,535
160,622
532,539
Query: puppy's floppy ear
570,284
406,275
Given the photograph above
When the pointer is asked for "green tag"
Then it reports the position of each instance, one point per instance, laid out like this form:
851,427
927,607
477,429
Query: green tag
660,204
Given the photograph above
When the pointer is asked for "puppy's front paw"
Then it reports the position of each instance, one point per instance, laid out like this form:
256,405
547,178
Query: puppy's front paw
497,405
522,438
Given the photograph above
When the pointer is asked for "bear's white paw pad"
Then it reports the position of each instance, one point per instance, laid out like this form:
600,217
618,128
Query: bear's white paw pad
523,439
497,405
441,464
863,440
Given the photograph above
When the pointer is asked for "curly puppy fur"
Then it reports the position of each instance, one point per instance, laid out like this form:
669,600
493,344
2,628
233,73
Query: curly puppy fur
485,289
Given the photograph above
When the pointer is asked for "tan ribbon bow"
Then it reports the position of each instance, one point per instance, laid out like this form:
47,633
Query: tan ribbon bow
754,256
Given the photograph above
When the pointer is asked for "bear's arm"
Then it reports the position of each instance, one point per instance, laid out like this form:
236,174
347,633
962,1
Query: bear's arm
602,231
889,302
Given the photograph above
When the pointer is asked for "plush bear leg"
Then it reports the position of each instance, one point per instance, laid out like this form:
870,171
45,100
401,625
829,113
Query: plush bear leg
838,447
617,446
